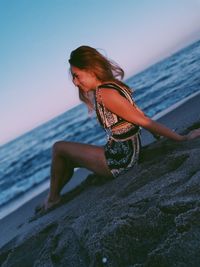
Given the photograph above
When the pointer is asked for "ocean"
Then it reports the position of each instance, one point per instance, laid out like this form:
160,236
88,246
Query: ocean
25,161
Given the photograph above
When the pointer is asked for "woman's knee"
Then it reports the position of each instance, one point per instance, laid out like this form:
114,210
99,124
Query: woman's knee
59,147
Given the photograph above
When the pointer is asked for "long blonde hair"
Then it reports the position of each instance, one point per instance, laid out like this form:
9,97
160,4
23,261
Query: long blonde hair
88,58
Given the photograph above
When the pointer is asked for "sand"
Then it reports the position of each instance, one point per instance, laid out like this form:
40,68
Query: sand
148,217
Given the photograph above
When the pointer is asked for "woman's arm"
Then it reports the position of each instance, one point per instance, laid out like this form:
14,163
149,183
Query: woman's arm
119,105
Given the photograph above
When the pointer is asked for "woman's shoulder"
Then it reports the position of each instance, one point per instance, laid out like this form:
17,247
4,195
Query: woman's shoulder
114,90
119,86
110,85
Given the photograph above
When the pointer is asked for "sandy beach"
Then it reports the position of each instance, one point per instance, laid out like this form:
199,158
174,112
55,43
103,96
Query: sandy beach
147,217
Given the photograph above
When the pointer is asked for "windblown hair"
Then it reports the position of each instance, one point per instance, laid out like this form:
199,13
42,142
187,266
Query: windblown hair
88,58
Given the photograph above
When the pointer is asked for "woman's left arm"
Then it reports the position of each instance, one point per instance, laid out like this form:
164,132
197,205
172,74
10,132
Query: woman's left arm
123,108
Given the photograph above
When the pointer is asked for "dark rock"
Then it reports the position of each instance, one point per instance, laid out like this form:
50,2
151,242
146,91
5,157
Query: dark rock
149,217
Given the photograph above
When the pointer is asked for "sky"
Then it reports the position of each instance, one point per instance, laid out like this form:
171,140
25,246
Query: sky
37,36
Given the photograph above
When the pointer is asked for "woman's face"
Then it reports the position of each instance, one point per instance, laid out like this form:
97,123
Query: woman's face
84,79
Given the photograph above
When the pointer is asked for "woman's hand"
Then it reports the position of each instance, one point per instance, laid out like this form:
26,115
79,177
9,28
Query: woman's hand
193,134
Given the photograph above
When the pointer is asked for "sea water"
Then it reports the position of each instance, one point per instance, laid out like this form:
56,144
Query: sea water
25,161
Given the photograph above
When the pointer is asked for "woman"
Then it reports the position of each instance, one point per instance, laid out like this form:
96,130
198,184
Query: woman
99,80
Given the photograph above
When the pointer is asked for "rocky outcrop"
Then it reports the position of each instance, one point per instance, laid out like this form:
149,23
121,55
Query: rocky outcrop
148,217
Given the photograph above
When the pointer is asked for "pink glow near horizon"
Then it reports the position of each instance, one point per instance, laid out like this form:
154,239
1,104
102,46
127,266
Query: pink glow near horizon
39,36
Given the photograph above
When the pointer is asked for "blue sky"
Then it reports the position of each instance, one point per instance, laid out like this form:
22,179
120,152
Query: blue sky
37,37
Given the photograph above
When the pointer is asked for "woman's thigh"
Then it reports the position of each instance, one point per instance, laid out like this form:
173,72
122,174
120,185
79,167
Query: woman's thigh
83,155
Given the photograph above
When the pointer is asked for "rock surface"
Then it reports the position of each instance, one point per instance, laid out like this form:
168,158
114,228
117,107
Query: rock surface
148,217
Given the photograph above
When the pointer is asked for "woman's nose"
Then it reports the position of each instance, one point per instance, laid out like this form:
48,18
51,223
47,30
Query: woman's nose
75,81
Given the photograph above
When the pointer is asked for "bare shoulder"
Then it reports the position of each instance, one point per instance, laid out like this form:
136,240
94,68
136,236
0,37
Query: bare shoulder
114,101
107,94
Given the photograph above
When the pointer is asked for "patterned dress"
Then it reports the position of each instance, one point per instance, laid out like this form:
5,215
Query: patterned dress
123,146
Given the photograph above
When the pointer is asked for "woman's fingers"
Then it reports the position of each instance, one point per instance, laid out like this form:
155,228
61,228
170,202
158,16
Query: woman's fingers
194,134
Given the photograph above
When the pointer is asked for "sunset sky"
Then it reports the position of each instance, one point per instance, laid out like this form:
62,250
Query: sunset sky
37,37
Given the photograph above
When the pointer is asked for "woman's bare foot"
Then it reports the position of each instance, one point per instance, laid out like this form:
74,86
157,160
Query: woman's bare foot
47,205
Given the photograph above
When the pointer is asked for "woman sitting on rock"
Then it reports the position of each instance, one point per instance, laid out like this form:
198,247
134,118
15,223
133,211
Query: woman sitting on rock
100,87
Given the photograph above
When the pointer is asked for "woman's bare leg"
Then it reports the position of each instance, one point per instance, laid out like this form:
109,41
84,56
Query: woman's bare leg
68,155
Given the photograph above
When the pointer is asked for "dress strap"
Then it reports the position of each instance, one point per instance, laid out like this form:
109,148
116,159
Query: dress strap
102,113
121,89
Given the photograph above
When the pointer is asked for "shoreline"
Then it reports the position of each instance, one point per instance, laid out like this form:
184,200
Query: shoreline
163,116
16,204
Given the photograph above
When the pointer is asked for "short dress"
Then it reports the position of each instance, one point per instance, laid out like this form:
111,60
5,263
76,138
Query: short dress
123,146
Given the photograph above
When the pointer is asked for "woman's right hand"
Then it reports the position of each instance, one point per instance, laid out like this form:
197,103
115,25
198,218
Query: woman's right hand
193,134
